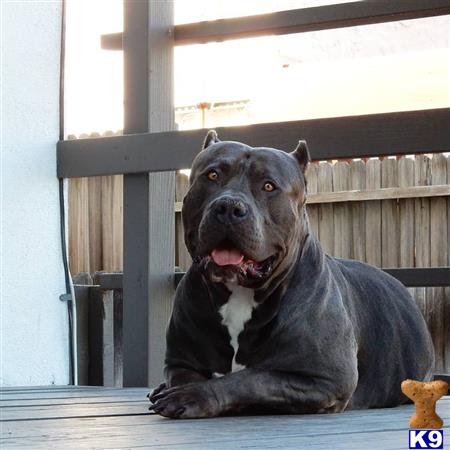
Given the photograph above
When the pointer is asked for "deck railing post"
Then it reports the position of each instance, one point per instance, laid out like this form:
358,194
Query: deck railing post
148,198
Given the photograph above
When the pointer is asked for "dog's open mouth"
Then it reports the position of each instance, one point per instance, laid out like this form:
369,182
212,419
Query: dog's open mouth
226,258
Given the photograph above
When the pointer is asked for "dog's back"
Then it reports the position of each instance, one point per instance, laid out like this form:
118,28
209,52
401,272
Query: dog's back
394,343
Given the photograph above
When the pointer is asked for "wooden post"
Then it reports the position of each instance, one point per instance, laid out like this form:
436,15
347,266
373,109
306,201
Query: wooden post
148,198
161,187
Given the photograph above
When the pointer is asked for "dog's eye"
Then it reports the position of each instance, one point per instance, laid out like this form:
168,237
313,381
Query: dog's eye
268,186
212,175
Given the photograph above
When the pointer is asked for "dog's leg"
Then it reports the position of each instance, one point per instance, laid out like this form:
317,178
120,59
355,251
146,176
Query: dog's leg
176,376
268,390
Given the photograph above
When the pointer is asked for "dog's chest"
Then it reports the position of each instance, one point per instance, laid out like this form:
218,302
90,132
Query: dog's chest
235,314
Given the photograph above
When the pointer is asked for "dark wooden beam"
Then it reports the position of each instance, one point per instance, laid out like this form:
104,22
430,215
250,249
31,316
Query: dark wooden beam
299,21
422,276
442,376
309,19
108,280
424,131
409,276
148,207
136,199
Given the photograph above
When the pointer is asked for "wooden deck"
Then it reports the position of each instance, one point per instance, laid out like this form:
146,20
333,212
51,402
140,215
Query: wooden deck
105,418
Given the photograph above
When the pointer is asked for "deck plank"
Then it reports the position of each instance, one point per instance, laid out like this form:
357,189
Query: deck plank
118,418
68,394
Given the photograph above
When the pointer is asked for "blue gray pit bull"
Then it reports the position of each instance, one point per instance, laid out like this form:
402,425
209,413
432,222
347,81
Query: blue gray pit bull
264,321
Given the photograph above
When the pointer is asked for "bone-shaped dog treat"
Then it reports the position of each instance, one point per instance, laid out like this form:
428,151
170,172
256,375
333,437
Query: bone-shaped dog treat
425,396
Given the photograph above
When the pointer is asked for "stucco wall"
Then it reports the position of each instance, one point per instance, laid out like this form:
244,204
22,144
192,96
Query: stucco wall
34,341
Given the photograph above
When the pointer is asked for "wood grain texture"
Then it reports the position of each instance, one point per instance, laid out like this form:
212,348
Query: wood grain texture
294,21
438,257
161,230
161,269
389,216
422,177
342,212
326,217
358,210
332,138
82,308
406,179
182,258
112,222
422,240
303,20
79,260
313,210
447,289
95,223
406,213
373,214
118,418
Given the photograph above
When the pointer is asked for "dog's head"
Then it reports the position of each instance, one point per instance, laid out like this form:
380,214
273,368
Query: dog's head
244,214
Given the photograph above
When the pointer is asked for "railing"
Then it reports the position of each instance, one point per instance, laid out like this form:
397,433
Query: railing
424,131
147,42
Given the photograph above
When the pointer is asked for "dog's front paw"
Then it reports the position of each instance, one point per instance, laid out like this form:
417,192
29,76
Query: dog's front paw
189,401
151,395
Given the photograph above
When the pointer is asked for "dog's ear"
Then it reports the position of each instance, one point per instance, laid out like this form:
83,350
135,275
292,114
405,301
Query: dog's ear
211,138
301,154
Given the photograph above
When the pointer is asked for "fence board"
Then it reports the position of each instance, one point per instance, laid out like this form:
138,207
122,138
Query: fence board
326,218
112,222
313,210
447,289
182,257
406,213
438,257
406,168
79,226
373,214
342,212
95,222
422,177
358,211
389,216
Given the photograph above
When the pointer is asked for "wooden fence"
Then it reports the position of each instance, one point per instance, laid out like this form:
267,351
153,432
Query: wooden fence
388,212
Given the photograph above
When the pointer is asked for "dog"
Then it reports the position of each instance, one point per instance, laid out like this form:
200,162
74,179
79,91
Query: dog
264,321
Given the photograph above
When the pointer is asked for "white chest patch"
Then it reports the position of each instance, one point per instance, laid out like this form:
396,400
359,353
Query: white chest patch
235,313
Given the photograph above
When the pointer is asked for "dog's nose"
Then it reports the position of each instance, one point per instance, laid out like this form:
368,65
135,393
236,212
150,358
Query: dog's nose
229,210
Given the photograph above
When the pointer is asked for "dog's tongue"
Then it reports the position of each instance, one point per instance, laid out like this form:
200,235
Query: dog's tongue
227,257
